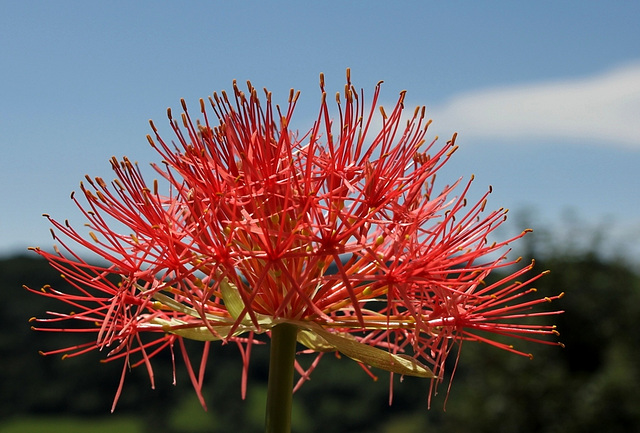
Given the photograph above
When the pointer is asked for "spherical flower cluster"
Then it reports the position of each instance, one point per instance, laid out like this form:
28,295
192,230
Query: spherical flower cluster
339,232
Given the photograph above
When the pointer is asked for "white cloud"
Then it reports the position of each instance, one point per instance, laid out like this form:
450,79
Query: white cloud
600,109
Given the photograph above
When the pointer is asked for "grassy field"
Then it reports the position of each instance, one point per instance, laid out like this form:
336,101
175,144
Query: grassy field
71,425
188,416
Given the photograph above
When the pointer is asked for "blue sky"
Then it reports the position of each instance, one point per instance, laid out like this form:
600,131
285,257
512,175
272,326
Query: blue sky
545,95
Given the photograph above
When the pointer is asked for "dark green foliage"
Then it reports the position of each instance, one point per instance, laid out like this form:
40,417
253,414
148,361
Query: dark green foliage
591,385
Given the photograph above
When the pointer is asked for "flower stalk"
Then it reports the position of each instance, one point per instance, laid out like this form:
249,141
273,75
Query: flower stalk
280,386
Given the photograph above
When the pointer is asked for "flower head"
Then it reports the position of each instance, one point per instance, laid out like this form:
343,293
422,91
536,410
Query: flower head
339,231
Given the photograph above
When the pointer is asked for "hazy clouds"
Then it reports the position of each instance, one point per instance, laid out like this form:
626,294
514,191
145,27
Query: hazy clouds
603,108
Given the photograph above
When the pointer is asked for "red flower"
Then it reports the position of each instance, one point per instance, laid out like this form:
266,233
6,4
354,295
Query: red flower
340,232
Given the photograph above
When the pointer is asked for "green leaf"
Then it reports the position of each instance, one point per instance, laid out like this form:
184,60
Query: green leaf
232,299
314,342
315,337
235,306
199,333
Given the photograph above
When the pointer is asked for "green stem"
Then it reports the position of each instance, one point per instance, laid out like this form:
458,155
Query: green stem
280,388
